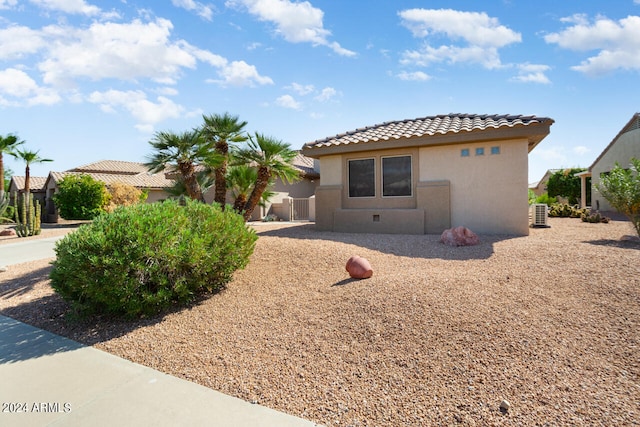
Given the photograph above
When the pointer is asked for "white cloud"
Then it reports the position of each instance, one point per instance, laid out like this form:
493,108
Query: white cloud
479,34
301,89
551,155
8,4
288,101
326,94
581,150
17,84
202,10
414,76
239,73
296,22
618,43
68,6
121,51
146,112
532,73
17,41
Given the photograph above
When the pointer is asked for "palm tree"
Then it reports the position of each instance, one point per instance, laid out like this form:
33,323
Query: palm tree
221,131
7,145
183,152
273,158
29,157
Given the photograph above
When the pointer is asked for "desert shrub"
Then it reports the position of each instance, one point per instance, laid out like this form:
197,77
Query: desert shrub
142,259
124,195
80,197
594,218
545,199
563,210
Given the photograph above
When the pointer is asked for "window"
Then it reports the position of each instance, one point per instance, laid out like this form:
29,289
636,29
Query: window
495,150
362,182
464,152
396,176
480,151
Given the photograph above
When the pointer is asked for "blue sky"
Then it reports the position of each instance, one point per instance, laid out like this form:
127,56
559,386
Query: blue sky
83,80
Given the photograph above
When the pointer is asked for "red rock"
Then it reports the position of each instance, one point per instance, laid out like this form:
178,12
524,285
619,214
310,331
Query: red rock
359,268
8,232
459,236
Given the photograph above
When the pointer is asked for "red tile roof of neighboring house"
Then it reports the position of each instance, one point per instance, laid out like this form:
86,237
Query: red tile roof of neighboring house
429,127
36,183
141,180
112,167
305,165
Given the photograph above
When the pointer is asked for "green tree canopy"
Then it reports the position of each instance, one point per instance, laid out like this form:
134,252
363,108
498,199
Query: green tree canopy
81,197
564,183
7,146
621,188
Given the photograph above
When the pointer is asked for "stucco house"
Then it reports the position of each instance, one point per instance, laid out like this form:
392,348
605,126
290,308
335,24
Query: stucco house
428,174
36,186
540,187
109,172
621,149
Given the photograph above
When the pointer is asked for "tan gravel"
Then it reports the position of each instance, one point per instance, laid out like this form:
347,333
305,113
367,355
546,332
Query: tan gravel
549,323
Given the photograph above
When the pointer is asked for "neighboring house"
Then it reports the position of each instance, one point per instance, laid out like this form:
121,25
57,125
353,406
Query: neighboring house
428,174
36,187
540,187
620,150
110,172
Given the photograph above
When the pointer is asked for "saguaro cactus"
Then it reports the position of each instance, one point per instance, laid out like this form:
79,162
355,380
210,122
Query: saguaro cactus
27,215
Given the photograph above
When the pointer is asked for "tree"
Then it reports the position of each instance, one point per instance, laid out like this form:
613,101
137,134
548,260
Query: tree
7,145
564,183
221,131
183,152
124,195
8,173
240,180
621,188
273,159
29,158
81,197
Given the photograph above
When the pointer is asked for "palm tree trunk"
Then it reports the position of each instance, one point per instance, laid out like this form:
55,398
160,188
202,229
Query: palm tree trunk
190,181
221,172
262,181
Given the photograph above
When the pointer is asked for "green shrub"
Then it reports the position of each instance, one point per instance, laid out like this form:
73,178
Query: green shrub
142,259
545,199
81,197
594,218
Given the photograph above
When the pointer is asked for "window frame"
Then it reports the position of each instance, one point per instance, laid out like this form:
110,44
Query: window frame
382,175
374,179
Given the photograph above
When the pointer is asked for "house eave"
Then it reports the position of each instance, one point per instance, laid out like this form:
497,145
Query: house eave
533,133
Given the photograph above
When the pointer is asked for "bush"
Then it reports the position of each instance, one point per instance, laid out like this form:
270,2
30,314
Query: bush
594,218
545,199
563,210
124,195
80,197
621,188
142,259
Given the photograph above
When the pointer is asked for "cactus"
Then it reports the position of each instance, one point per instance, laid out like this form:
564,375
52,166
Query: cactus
4,204
27,215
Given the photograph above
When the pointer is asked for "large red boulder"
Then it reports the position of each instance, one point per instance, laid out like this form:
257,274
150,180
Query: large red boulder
459,236
359,268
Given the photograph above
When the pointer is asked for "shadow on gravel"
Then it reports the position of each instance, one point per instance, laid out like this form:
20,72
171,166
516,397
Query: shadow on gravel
622,244
408,245
53,314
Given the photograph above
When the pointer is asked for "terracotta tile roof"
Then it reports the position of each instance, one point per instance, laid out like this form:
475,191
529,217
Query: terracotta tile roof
35,182
426,127
305,165
141,180
112,167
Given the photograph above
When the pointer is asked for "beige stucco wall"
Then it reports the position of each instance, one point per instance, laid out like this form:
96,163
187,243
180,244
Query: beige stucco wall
489,192
625,147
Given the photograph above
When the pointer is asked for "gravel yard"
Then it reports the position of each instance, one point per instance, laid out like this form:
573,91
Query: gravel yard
438,335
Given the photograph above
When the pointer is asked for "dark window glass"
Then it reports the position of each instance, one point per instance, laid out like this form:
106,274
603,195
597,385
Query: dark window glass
362,178
396,176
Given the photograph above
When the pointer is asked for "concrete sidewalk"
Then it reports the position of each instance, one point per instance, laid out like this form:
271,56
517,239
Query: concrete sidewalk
49,380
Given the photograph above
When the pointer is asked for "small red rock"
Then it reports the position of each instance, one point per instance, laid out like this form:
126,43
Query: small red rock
359,268
8,232
459,236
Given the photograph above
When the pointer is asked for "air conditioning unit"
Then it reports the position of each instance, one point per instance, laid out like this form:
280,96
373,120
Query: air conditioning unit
539,215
